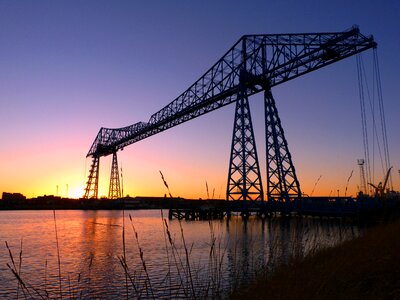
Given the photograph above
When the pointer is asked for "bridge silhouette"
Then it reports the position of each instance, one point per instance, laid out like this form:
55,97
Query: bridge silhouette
254,64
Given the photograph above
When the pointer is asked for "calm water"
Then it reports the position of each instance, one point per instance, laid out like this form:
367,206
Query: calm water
220,254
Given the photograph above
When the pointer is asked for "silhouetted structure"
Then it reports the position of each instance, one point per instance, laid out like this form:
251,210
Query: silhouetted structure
363,185
12,198
254,64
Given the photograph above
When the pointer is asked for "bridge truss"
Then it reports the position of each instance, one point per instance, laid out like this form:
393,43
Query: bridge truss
254,64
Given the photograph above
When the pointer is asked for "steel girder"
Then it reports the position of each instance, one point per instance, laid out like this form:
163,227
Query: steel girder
244,176
259,62
92,185
282,183
114,191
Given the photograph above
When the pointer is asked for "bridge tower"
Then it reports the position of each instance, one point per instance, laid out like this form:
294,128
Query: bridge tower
244,179
254,64
114,191
282,182
92,185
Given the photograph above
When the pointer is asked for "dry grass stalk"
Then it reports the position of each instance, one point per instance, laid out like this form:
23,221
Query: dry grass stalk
166,184
176,259
58,253
26,288
167,278
189,270
287,241
124,252
147,281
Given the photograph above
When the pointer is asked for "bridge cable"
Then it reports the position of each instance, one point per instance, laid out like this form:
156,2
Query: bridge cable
375,138
376,89
363,116
382,115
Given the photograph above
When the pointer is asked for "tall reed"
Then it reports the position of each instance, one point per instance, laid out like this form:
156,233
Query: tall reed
58,254
227,263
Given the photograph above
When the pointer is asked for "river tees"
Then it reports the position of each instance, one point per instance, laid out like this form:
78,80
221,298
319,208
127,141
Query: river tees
168,259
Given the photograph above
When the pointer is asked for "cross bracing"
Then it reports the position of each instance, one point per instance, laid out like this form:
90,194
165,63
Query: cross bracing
254,64
258,62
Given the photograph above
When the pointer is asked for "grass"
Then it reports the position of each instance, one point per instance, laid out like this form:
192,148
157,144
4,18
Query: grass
207,281
188,281
298,271
25,290
296,265
367,267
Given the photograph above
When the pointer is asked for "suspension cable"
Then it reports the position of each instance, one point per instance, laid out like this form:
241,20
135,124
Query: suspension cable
382,115
375,137
363,117
377,89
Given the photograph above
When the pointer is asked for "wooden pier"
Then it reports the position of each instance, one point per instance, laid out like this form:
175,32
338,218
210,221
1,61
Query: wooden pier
336,207
196,213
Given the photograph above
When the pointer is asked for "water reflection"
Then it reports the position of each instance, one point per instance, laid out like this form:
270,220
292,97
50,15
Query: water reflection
218,255
99,246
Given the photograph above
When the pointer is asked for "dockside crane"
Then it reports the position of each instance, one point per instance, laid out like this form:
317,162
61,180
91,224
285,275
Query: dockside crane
380,190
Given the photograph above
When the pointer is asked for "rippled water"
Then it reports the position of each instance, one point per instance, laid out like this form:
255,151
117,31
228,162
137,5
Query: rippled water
219,255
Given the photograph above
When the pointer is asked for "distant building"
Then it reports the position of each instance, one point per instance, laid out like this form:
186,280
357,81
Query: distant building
12,196
12,199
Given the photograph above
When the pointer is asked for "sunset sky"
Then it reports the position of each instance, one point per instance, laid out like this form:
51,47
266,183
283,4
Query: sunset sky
68,68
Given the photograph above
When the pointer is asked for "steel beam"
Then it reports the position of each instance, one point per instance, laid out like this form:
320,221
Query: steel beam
92,185
255,63
270,60
114,191
282,182
244,177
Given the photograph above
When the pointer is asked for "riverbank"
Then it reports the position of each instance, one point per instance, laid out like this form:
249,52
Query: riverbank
367,267
362,208
51,202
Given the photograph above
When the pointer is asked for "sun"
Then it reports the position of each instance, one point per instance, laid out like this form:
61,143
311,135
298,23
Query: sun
76,192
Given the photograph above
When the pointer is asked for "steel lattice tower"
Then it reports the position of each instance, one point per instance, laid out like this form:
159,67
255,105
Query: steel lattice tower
282,183
114,191
254,64
91,190
363,185
244,179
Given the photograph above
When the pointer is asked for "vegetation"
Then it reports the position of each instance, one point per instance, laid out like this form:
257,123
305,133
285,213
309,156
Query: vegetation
367,267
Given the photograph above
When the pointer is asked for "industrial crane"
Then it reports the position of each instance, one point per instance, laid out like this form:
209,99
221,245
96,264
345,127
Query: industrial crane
381,188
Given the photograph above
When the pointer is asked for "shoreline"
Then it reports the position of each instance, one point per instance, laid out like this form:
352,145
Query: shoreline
361,209
366,267
53,202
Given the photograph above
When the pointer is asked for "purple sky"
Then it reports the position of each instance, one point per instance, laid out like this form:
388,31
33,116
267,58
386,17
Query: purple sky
68,68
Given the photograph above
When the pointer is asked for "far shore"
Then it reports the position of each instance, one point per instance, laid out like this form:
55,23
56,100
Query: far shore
51,202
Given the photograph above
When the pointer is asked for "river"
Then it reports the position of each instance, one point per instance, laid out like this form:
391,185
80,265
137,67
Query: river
167,259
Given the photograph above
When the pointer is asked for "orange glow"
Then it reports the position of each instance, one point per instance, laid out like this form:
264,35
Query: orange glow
120,63
186,178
